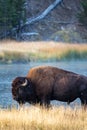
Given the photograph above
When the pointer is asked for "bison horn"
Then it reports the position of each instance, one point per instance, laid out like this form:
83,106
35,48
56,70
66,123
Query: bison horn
25,83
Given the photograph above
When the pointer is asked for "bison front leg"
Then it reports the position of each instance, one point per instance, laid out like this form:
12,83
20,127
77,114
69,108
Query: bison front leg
45,102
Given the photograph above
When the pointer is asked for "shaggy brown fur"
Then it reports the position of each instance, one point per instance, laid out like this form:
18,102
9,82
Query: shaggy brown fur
50,83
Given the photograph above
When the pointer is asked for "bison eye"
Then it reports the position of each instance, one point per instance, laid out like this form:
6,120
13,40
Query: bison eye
18,83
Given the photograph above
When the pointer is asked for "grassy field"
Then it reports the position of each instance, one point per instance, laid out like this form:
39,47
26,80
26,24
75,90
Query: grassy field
36,118
11,51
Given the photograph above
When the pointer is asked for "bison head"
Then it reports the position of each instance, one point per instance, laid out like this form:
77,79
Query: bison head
22,90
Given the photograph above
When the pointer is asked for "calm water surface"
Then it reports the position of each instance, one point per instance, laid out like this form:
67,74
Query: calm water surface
9,72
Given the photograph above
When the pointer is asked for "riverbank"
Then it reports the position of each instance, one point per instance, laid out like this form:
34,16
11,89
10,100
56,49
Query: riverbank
36,118
23,52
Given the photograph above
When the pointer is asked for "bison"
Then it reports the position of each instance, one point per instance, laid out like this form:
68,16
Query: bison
46,83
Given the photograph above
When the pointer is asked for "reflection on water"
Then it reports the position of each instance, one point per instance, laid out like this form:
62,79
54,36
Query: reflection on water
9,72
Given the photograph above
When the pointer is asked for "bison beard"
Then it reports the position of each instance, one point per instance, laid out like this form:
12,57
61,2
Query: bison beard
46,83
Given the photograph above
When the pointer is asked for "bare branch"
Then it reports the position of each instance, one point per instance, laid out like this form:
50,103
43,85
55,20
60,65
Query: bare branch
45,13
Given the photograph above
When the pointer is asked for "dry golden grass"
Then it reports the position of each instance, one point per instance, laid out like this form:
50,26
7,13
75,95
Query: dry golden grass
11,50
36,118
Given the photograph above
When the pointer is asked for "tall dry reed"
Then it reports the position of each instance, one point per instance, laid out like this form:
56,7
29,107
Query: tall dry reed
36,118
43,51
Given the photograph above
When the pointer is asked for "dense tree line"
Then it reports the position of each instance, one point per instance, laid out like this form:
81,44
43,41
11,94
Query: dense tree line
13,15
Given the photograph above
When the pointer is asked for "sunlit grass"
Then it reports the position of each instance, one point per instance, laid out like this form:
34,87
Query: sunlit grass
36,118
12,51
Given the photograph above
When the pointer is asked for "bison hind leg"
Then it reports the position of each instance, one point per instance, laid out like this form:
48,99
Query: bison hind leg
84,104
83,99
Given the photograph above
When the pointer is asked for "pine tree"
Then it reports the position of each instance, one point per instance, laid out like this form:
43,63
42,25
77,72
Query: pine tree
12,13
83,13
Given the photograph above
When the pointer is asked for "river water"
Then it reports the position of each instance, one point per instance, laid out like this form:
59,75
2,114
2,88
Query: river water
9,72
